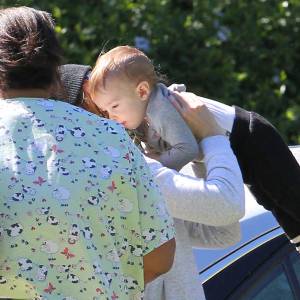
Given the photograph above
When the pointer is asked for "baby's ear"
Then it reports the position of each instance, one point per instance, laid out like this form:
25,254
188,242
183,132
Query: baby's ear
143,90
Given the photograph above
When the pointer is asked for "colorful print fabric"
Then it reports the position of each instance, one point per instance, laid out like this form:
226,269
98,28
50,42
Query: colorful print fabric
78,206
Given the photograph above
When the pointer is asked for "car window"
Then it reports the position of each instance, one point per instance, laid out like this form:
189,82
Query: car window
275,286
296,265
270,271
277,279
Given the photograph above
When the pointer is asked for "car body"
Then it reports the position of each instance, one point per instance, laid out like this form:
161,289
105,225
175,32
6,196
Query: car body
263,265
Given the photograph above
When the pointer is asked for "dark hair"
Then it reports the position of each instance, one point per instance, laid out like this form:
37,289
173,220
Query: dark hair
29,50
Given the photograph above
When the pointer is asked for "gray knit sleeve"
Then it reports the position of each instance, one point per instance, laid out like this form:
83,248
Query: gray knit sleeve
206,236
216,200
167,122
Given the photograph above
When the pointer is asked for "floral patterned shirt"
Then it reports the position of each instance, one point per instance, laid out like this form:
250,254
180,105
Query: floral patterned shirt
78,206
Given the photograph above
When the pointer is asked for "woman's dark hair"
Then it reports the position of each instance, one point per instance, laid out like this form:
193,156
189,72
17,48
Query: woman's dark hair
29,50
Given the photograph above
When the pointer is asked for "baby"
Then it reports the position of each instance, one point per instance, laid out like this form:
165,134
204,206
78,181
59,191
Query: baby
126,87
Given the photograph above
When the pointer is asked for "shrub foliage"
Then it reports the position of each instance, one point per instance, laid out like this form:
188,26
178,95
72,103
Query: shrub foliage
235,51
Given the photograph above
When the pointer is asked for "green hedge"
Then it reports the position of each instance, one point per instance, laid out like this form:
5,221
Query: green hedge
238,52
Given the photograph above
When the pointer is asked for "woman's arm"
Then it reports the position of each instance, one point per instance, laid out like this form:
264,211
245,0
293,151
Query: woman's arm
159,261
218,199
205,236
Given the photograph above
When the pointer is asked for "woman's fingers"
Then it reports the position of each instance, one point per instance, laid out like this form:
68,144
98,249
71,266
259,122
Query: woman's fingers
188,102
195,114
175,100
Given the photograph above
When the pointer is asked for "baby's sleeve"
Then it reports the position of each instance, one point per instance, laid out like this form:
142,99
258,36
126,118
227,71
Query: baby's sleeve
168,123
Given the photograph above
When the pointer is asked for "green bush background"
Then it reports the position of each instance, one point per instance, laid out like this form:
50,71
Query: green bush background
238,52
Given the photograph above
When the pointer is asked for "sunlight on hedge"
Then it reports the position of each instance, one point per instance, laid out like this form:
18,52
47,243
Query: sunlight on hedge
240,52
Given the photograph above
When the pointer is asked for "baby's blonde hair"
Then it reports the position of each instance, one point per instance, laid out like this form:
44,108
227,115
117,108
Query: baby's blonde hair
124,61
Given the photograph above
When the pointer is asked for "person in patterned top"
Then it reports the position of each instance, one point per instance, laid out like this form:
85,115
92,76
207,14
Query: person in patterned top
80,214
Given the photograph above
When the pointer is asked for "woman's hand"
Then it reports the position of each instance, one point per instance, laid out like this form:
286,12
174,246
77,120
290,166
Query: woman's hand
196,114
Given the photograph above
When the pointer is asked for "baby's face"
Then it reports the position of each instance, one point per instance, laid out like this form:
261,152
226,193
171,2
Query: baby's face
121,102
